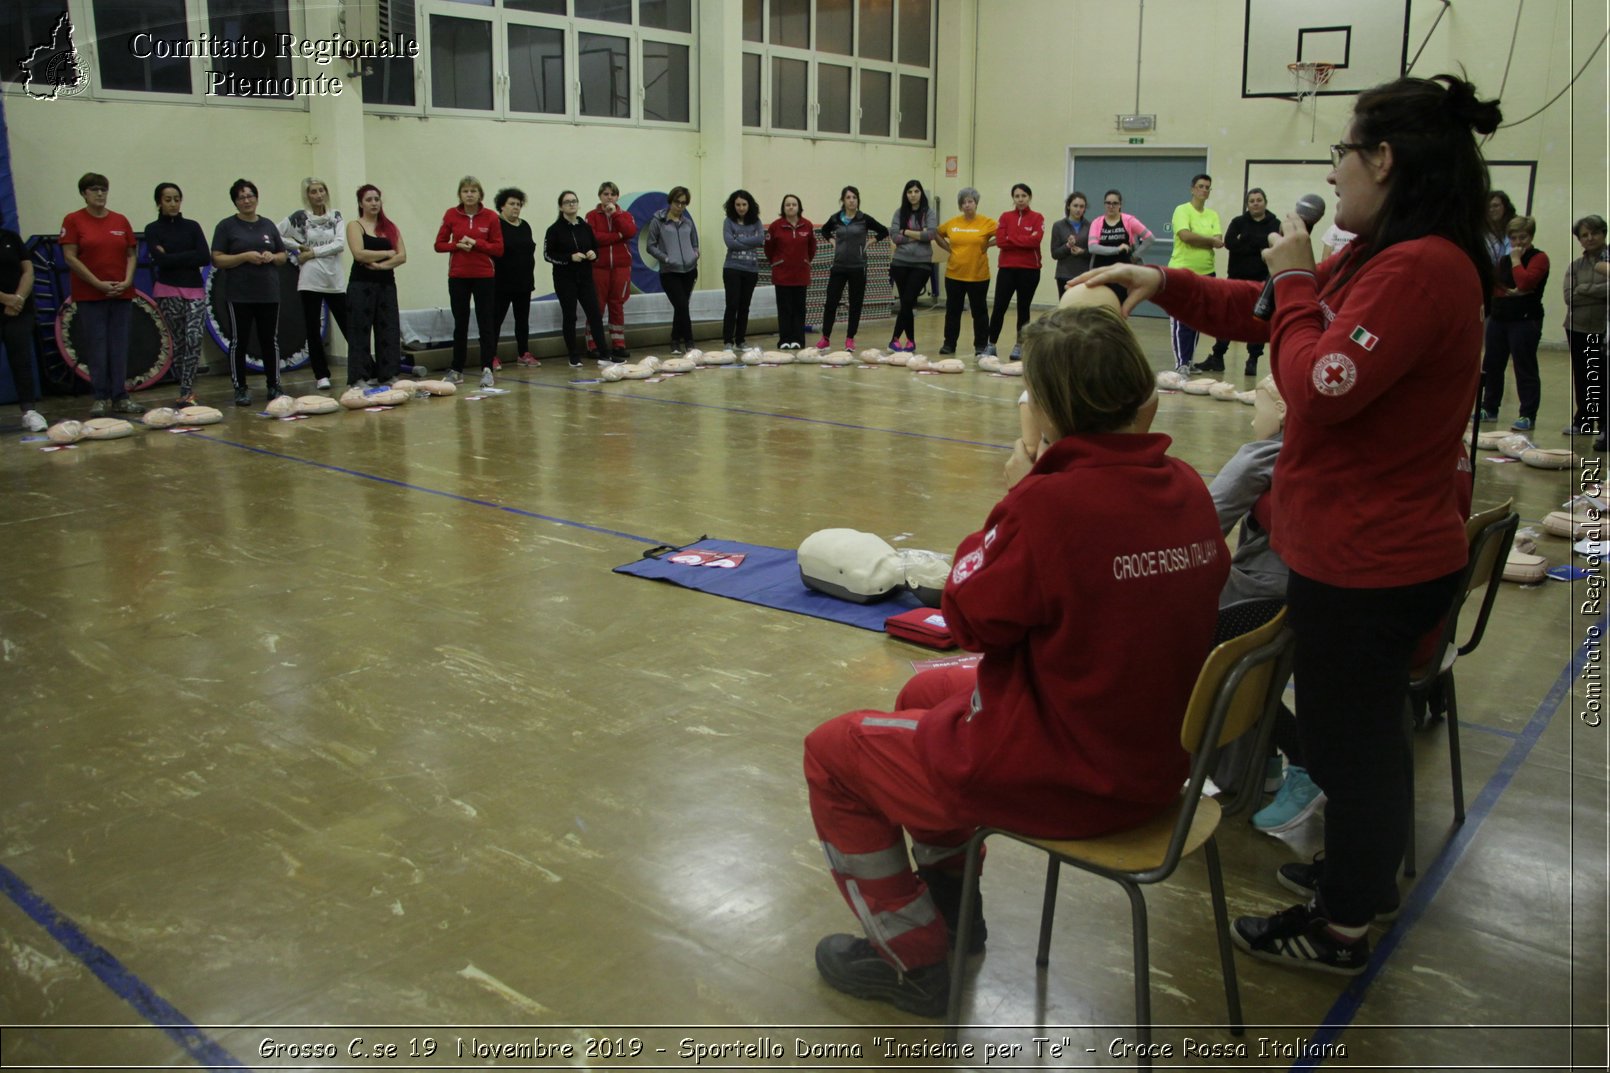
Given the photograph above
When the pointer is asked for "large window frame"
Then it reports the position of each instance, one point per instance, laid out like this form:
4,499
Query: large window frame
198,17
643,42
768,62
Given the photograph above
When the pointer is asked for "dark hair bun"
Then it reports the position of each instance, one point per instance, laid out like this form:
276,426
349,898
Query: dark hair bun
1481,116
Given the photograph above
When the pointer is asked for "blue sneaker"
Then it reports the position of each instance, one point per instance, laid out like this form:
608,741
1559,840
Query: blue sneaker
1297,800
1522,424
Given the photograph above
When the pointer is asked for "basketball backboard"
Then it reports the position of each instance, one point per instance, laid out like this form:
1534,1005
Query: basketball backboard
1364,40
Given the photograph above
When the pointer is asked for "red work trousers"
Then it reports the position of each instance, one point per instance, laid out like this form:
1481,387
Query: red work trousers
866,783
614,286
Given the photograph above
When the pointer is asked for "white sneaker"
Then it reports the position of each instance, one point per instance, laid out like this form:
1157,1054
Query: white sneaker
33,422
486,378
323,383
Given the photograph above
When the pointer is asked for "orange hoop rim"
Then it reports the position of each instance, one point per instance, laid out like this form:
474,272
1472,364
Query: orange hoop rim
1314,74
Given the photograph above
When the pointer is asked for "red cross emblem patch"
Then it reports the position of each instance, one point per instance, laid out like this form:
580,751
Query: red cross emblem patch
1335,374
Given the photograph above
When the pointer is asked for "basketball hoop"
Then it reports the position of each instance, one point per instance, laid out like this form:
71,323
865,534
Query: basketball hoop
1309,77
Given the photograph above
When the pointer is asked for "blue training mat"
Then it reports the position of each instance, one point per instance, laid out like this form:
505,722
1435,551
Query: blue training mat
768,577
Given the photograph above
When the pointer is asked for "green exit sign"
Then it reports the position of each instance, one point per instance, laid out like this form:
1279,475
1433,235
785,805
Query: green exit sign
1137,141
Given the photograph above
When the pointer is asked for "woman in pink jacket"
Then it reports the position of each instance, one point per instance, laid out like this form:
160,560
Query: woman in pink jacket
615,230
1018,235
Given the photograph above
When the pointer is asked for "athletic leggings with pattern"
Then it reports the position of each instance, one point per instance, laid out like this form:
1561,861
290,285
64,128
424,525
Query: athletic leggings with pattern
185,317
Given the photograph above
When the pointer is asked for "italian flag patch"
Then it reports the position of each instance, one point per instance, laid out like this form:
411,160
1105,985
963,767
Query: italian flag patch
1361,335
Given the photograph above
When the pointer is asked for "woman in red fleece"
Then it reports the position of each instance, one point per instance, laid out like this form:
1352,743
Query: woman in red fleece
790,247
614,230
471,236
1379,344
1070,726
1018,235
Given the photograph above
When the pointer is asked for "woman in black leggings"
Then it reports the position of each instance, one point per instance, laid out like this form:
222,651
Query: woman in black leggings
570,247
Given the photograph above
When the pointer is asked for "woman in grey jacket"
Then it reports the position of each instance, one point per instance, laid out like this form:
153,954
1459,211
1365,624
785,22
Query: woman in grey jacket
744,238
913,229
851,231
673,241
1070,241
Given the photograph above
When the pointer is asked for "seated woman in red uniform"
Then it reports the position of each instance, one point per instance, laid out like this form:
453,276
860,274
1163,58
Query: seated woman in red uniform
1070,726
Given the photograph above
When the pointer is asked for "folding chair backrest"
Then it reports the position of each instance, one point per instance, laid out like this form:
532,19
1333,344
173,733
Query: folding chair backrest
1491,535
1236,679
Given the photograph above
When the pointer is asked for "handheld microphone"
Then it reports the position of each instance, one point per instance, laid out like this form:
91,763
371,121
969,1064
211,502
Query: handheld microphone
1310,209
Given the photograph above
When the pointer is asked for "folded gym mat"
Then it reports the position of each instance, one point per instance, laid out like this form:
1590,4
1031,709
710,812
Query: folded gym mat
766,576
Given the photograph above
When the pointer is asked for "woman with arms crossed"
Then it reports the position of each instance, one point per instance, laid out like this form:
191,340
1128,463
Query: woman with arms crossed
377,250
317,235
1382,340
178,249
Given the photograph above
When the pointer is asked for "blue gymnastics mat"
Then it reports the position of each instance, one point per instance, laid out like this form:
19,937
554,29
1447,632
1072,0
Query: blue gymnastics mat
768,577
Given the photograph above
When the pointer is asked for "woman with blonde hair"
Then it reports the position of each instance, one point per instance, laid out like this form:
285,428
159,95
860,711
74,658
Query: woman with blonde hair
315,236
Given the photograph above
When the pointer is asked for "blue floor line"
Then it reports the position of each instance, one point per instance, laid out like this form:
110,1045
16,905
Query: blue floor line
111,972
761,413
432,491
1346,1007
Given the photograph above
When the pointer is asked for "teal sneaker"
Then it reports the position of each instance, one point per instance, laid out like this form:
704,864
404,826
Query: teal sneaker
1522,424
1298,799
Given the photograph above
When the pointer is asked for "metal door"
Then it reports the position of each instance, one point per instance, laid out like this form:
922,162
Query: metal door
1153,186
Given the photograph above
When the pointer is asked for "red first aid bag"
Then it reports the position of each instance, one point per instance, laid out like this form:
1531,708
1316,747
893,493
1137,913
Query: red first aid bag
922,625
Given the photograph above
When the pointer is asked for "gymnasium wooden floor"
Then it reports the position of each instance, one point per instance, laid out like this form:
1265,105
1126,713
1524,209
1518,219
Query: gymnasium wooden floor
347,722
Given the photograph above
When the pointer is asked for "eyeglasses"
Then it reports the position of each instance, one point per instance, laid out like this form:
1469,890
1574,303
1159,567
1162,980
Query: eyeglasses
566,201
1112,202
681,201
1341,149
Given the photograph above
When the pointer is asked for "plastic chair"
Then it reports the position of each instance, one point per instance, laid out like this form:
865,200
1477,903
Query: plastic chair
1239,684
1490,535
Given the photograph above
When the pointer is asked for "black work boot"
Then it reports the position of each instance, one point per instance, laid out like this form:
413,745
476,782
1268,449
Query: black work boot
945,888
852,965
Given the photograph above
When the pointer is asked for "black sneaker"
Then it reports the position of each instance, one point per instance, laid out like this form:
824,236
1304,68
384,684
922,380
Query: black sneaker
1302,877
947,349
620,353
575,361
945,888
243,397
1300,937
850,964
1208,367
1252,367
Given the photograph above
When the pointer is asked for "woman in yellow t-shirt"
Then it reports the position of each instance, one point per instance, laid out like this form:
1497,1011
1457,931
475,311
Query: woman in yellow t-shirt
966,238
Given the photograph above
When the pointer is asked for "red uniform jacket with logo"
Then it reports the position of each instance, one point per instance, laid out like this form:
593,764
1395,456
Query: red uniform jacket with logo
1379,374
613,231
487,232
1092,591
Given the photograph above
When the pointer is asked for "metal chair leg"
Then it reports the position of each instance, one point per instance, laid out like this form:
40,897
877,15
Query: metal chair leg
1143,978
1221,922
1053,869
1408,844
964,936
1455,761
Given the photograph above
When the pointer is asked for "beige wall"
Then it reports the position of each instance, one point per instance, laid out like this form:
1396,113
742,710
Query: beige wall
1018,82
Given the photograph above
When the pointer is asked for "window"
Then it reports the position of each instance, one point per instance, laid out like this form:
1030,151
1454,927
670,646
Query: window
839,68
127,61
833,98
536,69
391,81
24,26
609,61
665,81
142,48
460,63
256,20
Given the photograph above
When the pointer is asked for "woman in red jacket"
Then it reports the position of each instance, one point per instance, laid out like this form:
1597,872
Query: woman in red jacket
1381,343
1516,325
471,236
1070,726
1018,235
614,229
790,247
